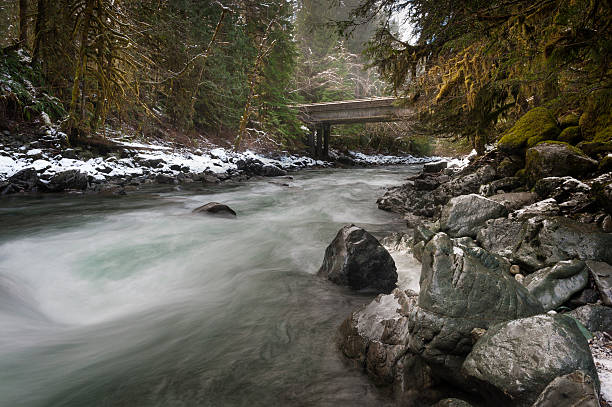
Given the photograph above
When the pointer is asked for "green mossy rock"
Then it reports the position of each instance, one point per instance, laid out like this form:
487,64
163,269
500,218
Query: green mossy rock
571,135
596,116
569,120
537,123
605,165
594,148
556,159
604,135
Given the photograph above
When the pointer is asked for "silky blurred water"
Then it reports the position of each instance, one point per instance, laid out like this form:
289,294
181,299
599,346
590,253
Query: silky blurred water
134,301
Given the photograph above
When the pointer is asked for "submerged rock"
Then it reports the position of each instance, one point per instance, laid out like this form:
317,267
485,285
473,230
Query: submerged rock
515,361
355,258
465,214
216,208
553,286
462,287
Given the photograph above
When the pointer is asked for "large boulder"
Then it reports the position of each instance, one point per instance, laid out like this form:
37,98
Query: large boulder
576,389
462,287
217,209
26,180
536,125
556,159
67,180
553,286
515,361
602,275
355,258
545,241
375,338
500,236
465,214
594,317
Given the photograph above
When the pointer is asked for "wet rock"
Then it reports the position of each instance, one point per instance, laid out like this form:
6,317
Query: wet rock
545,241
150,162
559,187
462,287
515,200
452,403
586,296
67,180
165,179
270,170
594,317
216,208
355,258
576,389
421,234
556,160
465,214
553,286
435,167
505,184
602,275
548,207
23,181
514,362
417,251
500,236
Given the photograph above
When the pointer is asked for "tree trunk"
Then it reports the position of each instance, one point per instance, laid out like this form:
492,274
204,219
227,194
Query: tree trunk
38,29
23,23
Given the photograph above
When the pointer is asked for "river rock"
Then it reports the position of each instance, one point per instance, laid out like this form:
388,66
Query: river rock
462,287
355,258
515,200
602,275
22,181
435,167
421,234
500,236
452,403
67,180
376,339
515,361
553,286
216,208
559,187
505,184
575,389
556,160
465,214
545,241
594,317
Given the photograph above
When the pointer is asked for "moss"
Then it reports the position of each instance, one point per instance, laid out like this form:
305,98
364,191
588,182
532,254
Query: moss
537,122
604,134
593,148
596,116
605,165
521,174
535,140
571,135
569,120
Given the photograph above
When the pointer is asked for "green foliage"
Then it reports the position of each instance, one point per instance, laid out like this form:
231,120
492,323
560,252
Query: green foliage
535,126
21,94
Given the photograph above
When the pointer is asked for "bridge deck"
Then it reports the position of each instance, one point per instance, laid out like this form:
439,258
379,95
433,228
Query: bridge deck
381,109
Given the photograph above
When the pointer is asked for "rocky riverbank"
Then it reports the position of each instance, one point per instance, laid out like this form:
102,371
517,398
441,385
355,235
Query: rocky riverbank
515,293
46,164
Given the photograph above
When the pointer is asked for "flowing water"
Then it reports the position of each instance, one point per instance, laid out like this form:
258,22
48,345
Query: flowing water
134,301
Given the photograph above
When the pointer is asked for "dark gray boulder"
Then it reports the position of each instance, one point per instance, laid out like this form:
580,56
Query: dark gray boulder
464,215
67,180
26,180
452,403
545,241
553,286
269,170
552,159
217,209
462,287
356,259
559,187
594,317
515,200
515,361
602,275
435,167
505,184
575,389
500,236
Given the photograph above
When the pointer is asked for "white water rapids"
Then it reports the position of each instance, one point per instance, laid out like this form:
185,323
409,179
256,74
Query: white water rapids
134,301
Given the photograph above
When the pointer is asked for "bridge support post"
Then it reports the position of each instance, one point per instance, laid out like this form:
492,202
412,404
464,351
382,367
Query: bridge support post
326,134
311,140
319,139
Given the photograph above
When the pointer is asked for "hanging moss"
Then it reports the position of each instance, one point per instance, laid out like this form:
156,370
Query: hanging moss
571,135
537,123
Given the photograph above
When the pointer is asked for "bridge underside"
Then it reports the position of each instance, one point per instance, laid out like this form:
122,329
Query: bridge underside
321,116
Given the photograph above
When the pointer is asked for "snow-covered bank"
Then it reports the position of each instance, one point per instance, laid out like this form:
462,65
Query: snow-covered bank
154,161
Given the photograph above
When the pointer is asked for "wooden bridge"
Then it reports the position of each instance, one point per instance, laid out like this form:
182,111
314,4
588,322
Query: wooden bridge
321,116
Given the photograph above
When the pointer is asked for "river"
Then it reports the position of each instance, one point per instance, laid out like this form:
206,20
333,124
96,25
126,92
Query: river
134,301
